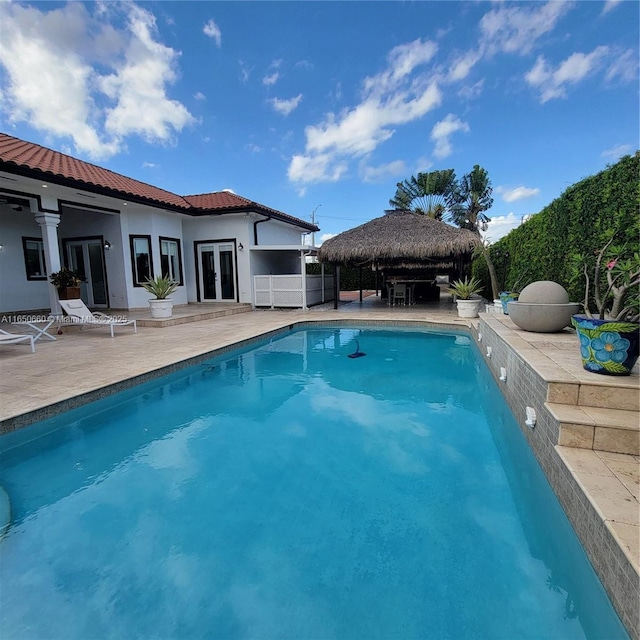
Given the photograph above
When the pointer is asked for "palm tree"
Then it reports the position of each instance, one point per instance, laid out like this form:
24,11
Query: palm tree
471,199
427,193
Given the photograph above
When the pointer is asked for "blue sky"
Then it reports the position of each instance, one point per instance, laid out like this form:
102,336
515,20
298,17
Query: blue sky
325,106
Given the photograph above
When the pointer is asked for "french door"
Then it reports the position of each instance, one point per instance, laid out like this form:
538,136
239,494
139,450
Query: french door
86,258
216,271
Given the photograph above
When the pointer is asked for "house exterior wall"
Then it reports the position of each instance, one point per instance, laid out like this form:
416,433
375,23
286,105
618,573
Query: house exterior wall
156,223
215,229
276,232
78,223
17,293
240,228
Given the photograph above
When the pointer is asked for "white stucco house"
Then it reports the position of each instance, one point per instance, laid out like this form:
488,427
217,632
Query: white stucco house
56,210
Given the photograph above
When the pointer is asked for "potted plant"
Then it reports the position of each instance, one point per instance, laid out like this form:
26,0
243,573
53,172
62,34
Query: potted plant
161,287
510,295
465,293
67,283
609,330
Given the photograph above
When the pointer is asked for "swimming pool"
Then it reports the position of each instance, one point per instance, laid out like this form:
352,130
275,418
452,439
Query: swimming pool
289,491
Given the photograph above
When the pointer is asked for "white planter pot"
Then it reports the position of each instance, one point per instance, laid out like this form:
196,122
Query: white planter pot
495,308
468,308
161,308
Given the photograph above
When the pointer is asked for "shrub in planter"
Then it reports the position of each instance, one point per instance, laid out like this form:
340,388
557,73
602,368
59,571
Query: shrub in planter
610,337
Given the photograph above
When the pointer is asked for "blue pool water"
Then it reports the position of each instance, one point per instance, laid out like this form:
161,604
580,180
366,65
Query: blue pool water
288,491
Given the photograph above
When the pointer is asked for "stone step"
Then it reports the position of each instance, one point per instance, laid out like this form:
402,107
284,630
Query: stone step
615,393
602,429
192,316
620,393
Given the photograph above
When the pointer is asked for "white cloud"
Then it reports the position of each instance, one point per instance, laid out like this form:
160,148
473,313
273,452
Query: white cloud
138,86
624,66
271,79
383,171
472,91
442,132
245,72
517,28
500,226
324,237
54,60
423,164
254,148
615,153
462,66
395,96
609,5
285,107
518,193
199,95
274,76
212,30
319,168
149,165
553,83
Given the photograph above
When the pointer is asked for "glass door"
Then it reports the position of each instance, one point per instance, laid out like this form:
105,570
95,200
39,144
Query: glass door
86,258
216,271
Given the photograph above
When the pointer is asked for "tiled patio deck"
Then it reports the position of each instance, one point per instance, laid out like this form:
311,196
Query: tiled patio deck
82,362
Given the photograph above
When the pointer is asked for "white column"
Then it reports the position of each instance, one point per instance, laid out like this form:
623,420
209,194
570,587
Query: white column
49,225
303,260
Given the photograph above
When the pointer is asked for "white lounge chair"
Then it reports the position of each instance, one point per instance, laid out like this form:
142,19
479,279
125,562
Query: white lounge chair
14,338
78,312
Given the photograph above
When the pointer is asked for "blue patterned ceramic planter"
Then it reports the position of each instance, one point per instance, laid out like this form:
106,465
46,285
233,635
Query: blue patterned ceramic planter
607,346
505,297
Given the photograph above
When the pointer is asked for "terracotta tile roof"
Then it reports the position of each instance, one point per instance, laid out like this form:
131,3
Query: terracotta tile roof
218,200
53,166
228,202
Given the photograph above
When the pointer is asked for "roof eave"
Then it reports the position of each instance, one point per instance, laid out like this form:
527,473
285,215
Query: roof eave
73,183
254,207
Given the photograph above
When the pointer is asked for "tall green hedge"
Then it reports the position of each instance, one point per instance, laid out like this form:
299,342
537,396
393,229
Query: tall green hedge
578,222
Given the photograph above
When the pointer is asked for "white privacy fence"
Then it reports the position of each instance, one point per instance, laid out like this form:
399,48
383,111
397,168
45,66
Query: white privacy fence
292,290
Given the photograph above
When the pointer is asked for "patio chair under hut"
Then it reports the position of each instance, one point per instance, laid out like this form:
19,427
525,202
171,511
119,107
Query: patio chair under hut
403,245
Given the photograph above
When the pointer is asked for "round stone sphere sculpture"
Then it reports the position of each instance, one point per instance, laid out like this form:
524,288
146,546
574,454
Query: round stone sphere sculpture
543,307
545,292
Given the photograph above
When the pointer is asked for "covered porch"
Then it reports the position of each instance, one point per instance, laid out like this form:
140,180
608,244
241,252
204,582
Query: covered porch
280,278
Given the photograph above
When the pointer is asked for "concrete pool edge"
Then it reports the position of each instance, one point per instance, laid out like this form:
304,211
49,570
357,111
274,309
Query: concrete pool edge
524,387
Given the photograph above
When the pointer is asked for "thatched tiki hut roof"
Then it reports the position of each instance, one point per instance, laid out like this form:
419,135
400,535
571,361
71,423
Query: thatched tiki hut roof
399,237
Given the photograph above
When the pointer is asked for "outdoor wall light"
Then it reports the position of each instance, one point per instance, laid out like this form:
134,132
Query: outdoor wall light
531,417
503,374
107,245
479,337
240,247
488,352
1,247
